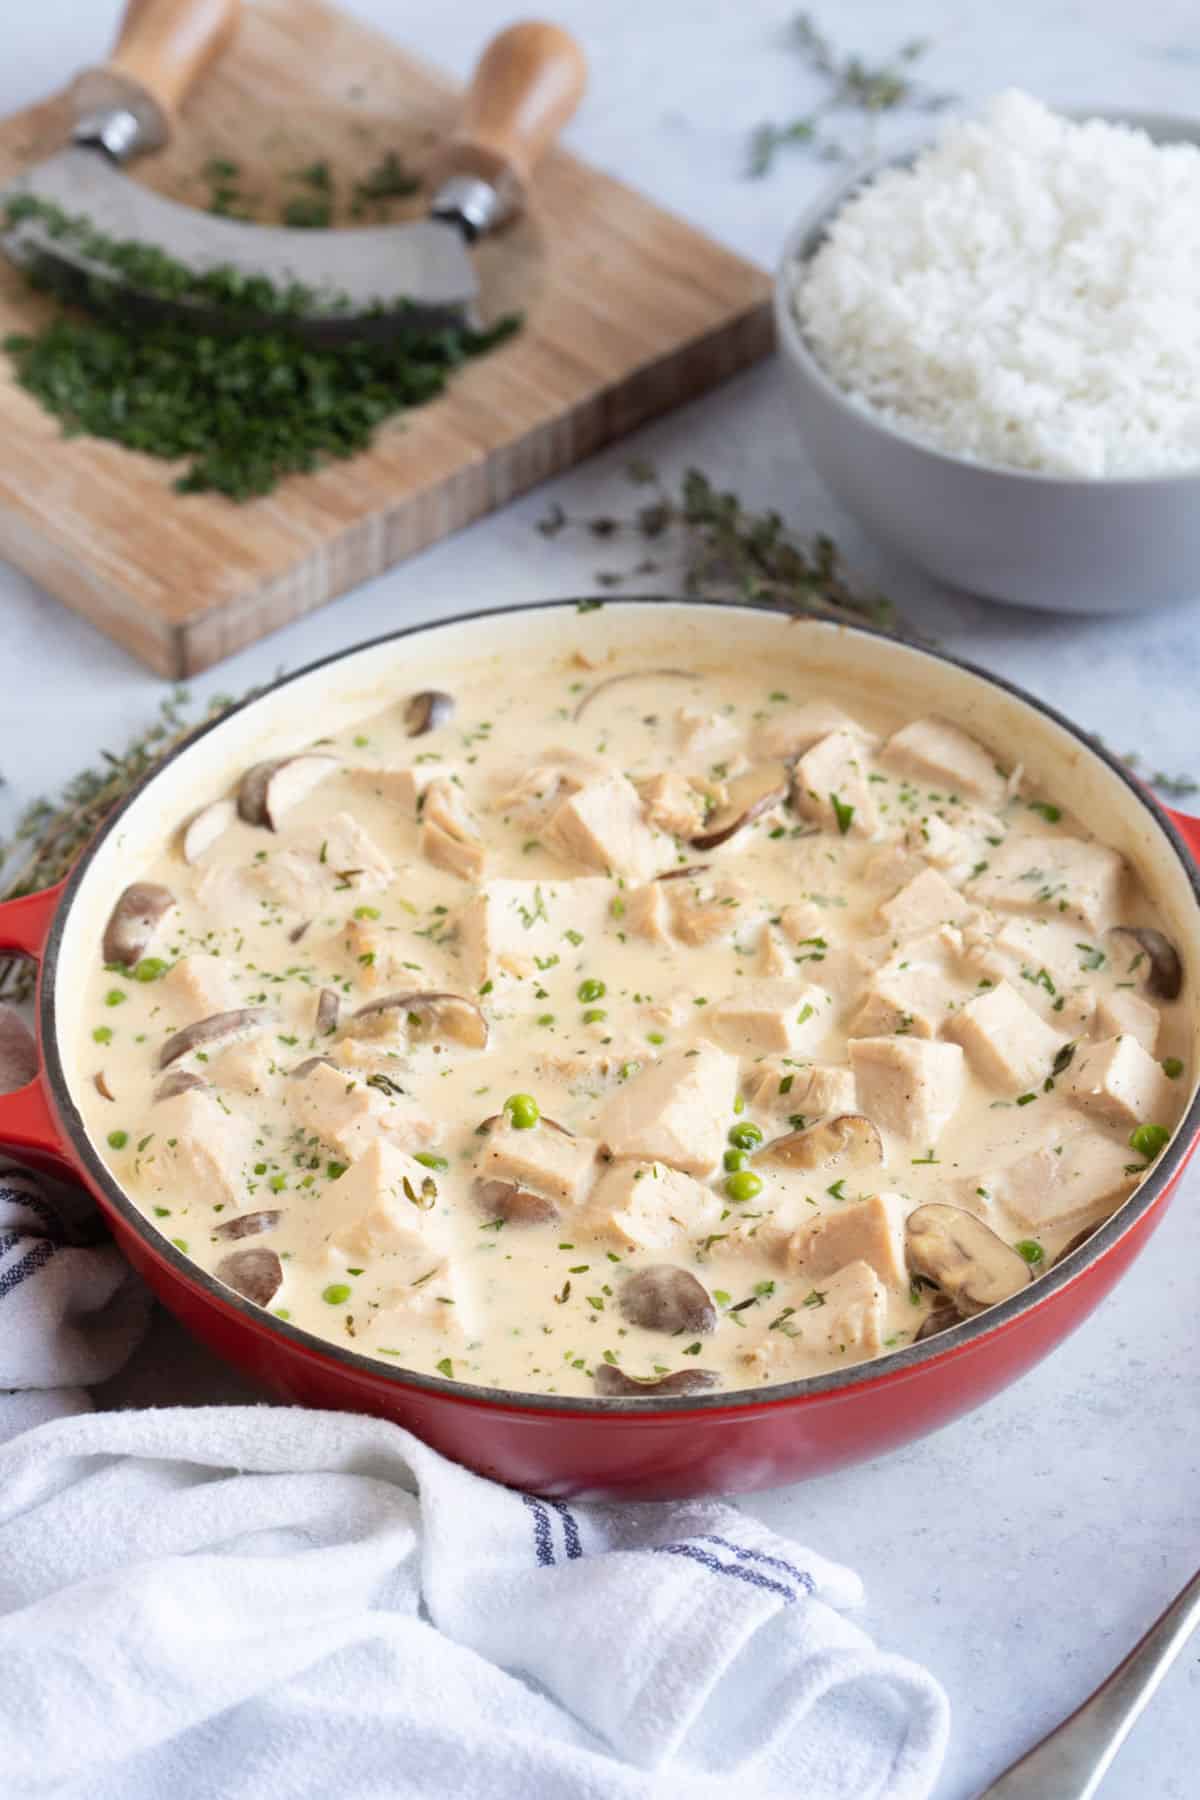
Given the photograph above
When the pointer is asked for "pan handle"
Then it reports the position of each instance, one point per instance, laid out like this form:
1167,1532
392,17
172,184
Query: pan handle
27,1126
162,50
1188,829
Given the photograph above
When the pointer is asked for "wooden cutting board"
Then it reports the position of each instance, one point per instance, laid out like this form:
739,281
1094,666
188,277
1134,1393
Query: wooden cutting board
629,312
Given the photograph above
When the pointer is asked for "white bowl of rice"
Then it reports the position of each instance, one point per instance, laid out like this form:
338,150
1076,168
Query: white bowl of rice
994,344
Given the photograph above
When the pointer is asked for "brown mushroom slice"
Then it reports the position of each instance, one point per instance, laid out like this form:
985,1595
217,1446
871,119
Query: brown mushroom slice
940,1318
458,1017
249,1224
255,1274
963,1257
514,1204
485,1125
750,796
849,1138
269,789
329,1009
428,710
680,873
613,681
309,1064
613,1383
134,920
666,1298
201,832
1165,980
178,1083
218,1028
100,1083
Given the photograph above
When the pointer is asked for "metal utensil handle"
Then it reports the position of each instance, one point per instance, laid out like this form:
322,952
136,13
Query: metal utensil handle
526,85
162,50
1071,1763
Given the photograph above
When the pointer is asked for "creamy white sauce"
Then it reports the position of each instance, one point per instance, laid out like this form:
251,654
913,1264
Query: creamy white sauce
722,992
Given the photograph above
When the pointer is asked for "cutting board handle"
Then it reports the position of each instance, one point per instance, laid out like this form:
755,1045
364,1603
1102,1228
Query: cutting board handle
526,85
162,50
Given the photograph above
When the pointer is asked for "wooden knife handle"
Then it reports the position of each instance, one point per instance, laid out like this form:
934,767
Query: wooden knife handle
162,50
526,85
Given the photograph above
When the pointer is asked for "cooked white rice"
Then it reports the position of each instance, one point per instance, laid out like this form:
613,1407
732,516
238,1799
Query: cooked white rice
1026,293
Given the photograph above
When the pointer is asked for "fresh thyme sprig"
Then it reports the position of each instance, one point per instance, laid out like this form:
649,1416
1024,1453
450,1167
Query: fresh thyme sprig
722,550
852,85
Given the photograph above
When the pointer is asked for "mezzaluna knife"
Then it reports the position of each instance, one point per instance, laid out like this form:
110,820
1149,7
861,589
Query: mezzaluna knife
526,86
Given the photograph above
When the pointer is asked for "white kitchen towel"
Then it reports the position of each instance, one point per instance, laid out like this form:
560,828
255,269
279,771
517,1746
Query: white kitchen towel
226,1603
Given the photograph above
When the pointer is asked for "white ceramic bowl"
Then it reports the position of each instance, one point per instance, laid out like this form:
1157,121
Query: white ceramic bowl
1064,545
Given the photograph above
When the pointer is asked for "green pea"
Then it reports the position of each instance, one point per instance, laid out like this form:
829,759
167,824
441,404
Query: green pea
735,1159
1148,1140
1172,1067
432,1160
1031,1250
746,1135
115,997
150,969
744,1184
336,1294
591,989
103,1035
118,1139
277,1183
593,1015
523,1111
655,1037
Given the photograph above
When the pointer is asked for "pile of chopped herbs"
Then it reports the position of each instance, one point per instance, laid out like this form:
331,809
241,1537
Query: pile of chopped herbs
242,409
852,85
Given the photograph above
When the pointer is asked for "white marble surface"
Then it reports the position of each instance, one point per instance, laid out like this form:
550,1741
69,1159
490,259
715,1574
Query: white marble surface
1022,1550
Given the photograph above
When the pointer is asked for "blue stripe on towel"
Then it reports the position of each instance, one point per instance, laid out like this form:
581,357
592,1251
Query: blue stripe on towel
542,1543
570,1529
755,1577
29,1265
800,1576
51,1223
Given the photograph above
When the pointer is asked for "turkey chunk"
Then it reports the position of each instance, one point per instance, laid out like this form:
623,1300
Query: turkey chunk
935,751
199,986
247,1067
703,734
690,909
922,905
833,771
403,787
441,1296
340,1108
792,730
601,825
1058,877
347,854
772,1014
508,924
200,1155
845,1316
392,1203
870,1231
545,1160
672,804
648,1205
906,1085
1082,1175
1007,1043
530,798
449,832
915,991
1120,1083
789,1092
1122,1013
674,1111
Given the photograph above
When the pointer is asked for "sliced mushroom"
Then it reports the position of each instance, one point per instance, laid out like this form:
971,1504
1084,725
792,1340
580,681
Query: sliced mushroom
134,920
963,1257
1165,979
939,1319
750,796
299,931
248,1225
268,789
613,1382
218,1028
201,832
613,681
255,1274
666,1298
514,1204
485,1125
428,710
100,1082
849,1138
178,1083
687,869
329,1008
459,1018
